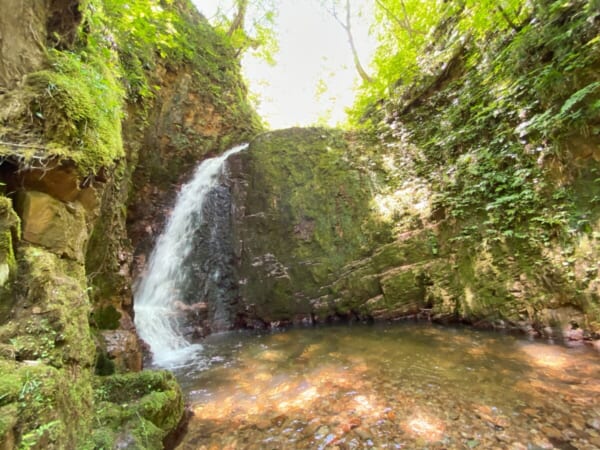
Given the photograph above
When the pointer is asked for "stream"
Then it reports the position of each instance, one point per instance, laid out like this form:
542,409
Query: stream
394,386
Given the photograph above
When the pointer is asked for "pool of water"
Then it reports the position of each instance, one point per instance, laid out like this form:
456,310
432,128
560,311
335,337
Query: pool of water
391,386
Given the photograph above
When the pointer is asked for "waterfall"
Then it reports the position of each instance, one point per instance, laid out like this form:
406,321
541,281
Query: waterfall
160,289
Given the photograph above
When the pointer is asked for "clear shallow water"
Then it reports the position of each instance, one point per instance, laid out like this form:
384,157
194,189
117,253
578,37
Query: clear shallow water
394,386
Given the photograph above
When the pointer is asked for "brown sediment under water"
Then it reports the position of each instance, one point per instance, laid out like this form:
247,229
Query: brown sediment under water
400,386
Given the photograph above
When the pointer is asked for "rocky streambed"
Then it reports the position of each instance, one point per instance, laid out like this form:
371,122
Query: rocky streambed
391,386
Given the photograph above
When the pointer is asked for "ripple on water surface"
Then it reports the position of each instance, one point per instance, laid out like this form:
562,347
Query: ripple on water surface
404,386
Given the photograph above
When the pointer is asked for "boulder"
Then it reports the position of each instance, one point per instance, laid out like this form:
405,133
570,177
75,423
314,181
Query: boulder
123,348
59,227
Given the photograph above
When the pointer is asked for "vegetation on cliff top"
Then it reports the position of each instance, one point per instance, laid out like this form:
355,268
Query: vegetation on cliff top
486,144
73,109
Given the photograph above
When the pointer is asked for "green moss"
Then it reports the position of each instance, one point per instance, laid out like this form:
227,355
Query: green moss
404,289
106,318
79,108
9,231
10,385
104,365
49,406
8,420
57,287
307,214
124,387
141,408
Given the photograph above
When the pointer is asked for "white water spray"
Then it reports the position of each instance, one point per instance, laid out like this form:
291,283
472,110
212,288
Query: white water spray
159,290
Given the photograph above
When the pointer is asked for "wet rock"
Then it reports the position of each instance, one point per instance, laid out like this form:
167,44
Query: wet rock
578,423
279,420
351,424
123,348
573,334
503,437
531,412
492,416
551,432
322,432
594,423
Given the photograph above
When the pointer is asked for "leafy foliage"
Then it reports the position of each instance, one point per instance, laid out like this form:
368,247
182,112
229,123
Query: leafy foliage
402,29
416,37
251,29
80,107
492,110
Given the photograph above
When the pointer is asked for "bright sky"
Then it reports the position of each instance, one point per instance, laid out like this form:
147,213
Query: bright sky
313,47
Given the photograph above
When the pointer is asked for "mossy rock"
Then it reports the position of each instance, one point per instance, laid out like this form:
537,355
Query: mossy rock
306,215
416,249
137,410
53,311
8,421
404,289
9,232
106,317
37,396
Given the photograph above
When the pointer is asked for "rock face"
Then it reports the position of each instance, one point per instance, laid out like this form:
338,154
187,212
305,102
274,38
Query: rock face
210,266
314,242
301,208
48,222
22,27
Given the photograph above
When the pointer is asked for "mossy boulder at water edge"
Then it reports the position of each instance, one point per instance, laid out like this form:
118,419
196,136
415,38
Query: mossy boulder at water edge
136,410
46,354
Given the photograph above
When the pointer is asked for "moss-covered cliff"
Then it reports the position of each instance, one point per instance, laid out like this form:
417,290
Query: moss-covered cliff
482,175
101,106
302,202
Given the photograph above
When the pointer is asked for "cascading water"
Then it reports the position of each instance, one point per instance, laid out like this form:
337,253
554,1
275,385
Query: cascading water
161,288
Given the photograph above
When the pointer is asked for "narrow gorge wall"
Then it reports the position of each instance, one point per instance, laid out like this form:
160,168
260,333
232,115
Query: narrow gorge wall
468,196
103,112
321,236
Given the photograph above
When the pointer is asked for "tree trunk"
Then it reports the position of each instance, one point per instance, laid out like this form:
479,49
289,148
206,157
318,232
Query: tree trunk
240,17
348,27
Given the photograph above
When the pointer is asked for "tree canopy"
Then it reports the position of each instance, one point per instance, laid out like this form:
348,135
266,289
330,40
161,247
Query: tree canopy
413,39
249,24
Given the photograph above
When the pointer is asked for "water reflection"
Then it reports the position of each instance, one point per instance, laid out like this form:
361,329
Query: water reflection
407,386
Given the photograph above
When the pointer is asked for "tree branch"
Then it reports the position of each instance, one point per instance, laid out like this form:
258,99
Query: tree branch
403,24
507,18
240,17
347,26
